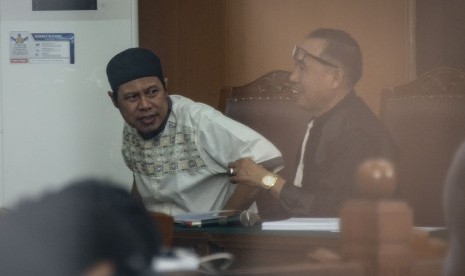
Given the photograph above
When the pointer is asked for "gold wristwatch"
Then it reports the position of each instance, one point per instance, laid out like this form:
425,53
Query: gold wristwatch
268,181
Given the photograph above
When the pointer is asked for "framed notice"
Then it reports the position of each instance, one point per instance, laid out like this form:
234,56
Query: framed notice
41,48
63,5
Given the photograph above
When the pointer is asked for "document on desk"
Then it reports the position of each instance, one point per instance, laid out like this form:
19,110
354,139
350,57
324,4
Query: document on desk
310,224
205,219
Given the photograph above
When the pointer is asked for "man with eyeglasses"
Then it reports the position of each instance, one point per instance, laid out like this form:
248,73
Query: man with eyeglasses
342,131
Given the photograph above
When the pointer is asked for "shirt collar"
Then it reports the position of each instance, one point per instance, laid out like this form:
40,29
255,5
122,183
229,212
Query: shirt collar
328,114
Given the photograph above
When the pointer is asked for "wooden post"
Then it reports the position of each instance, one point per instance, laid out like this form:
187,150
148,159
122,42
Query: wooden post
376,229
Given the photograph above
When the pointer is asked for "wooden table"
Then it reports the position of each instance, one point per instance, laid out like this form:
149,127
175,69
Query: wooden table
265,252
255,247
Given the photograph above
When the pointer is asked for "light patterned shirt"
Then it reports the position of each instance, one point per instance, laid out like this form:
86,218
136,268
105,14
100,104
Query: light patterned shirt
183,169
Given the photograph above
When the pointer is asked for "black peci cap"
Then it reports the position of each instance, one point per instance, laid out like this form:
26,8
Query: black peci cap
131,64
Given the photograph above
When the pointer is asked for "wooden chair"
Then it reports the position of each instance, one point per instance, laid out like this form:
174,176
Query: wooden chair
268,106
426,119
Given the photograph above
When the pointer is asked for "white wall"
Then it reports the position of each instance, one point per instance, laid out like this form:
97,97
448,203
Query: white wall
57,120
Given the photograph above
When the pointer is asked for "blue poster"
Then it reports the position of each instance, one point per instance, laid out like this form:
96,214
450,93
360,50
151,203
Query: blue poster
42,48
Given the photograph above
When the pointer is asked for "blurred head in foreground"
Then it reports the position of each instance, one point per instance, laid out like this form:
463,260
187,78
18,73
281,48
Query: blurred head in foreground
89,228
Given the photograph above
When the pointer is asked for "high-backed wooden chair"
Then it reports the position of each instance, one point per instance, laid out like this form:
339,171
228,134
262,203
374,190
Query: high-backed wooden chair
268,106
426,119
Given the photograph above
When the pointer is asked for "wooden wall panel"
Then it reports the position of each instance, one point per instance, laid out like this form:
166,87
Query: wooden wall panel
440,34
188,36
206,44
261,33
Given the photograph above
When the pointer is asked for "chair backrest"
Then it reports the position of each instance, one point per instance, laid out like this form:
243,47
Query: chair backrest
426,119
268,106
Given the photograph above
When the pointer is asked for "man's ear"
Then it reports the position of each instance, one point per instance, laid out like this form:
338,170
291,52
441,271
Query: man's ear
165,80
115,103
338,77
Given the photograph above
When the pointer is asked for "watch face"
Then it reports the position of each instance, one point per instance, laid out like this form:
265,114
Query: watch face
268,181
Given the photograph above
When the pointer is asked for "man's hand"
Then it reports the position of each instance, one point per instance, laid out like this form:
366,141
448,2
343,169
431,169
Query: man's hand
245,171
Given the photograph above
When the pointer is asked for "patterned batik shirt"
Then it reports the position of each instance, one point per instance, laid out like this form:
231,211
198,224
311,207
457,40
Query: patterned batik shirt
183,169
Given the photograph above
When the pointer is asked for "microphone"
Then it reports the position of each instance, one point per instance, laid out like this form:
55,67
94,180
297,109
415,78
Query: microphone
249,219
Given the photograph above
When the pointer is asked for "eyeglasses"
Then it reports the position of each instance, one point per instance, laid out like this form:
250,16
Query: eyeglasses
299,54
